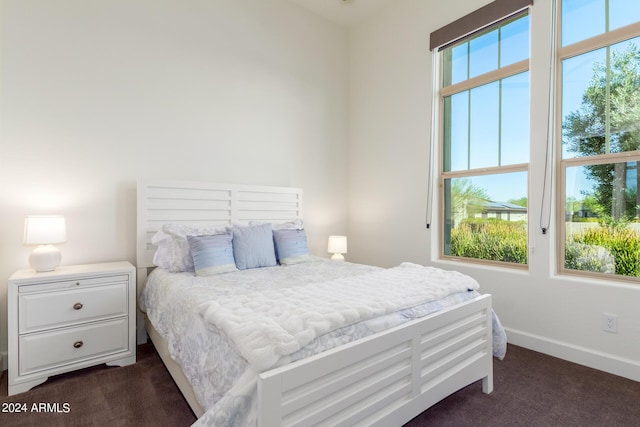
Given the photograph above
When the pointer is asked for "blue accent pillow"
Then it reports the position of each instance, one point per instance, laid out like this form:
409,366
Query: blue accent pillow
291,246
212,254
253,246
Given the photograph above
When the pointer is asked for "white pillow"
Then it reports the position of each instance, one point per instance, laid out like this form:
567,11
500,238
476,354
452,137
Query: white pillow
162,255
295,224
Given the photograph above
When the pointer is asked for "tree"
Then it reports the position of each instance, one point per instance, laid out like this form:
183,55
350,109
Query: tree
466,198
572,206
590,204
522,201
608,121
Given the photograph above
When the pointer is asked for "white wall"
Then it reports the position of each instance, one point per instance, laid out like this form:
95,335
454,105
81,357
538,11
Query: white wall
97,94
390,114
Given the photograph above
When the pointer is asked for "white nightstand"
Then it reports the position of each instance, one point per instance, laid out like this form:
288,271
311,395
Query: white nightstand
70,318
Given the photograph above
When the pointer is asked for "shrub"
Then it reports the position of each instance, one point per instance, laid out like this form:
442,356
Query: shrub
490,239
583,257
611,249
623,244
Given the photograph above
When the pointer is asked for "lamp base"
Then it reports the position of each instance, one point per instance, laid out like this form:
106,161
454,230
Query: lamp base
45,258
337,257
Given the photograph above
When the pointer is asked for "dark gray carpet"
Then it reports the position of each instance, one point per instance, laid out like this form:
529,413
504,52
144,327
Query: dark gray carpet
142,394
531,389
535,390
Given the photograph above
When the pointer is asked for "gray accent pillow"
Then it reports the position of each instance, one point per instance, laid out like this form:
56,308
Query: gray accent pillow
253,246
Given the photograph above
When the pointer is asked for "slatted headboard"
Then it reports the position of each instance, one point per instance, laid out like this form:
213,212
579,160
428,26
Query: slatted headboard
205,203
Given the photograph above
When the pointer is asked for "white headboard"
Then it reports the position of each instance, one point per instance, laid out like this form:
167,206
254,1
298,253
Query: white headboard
205,203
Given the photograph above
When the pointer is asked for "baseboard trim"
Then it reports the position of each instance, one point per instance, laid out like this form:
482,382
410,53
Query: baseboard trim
606,362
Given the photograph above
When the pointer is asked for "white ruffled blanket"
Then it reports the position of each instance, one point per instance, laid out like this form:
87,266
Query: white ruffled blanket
268,324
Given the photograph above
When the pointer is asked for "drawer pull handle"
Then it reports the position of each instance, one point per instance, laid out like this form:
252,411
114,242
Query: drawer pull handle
78,344
77,306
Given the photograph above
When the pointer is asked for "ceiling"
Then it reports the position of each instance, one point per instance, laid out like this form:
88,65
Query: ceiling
343,12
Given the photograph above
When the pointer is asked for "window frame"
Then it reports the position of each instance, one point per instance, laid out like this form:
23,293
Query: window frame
469,84
608,38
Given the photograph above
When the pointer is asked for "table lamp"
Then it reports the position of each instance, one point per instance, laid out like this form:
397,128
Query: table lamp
44,231
337,246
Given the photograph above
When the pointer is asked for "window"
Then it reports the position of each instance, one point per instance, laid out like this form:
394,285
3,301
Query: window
484,98
599,130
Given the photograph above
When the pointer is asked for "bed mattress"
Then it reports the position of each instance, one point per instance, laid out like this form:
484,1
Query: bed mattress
222,379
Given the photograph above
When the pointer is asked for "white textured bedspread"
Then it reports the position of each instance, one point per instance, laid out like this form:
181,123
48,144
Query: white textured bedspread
267,324
221,377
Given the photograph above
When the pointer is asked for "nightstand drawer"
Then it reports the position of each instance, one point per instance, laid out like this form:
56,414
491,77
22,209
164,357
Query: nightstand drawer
40,311
71,345
61,285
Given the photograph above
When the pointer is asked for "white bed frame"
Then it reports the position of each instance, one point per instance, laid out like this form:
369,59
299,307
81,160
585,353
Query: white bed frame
385,379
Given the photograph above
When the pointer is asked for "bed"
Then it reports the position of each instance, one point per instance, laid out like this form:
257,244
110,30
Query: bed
374,365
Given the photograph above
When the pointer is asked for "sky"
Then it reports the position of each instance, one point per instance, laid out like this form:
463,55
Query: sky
478,139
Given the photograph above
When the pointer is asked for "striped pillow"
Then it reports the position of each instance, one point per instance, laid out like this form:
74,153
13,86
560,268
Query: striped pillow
291,246
212,254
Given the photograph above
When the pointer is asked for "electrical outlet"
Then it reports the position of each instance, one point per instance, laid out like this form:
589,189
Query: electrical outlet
609,322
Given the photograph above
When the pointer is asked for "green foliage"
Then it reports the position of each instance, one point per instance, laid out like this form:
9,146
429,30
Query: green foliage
490,239
622,244
607,221
577,219
522,201
612,249
466,198
583,257
606,123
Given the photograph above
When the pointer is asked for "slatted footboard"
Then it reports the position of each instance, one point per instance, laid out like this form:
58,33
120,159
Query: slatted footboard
385,379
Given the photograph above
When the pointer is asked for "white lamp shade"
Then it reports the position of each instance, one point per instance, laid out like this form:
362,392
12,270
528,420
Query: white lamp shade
337,244
44,229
